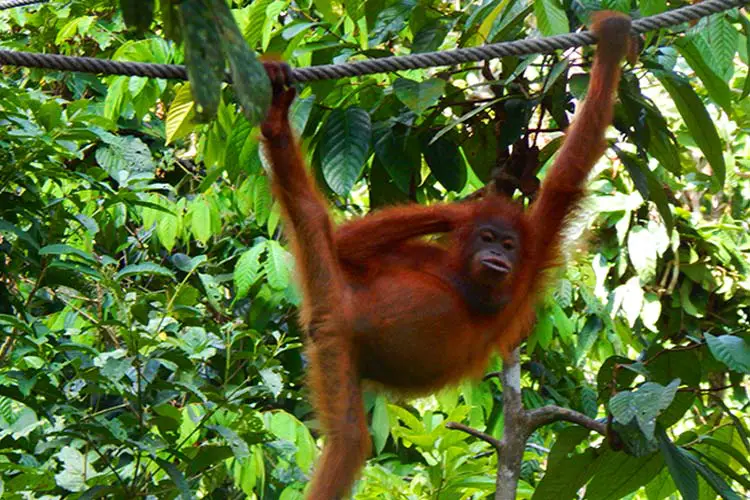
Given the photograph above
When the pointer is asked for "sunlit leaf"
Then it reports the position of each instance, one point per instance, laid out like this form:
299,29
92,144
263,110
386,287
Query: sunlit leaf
550,17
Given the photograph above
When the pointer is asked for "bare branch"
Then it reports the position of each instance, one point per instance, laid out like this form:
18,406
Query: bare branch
549,414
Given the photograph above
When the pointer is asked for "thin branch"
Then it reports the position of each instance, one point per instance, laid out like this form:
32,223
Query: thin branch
495,443
549,414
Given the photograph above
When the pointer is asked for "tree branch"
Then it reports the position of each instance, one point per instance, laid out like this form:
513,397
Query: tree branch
495,443
549,414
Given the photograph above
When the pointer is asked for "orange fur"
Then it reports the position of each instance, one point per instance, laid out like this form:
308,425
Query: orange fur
381,304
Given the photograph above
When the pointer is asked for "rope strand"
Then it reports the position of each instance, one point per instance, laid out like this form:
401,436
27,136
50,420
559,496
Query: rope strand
9,4
371,66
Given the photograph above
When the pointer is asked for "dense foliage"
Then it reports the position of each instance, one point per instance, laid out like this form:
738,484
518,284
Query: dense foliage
147,311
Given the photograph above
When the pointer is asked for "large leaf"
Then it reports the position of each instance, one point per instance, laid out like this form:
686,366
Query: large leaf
698,122
278,265
550,17
344,147
716,86
247,270
722,40
61,249
644,404
145,268
683,472
200,218
399,155
445,162
126,159
256,21
419,96
567,471
179,122
731,350
642,252
618,474
177,477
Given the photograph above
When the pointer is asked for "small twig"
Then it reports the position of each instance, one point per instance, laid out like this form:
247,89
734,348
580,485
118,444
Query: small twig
698,390
537,447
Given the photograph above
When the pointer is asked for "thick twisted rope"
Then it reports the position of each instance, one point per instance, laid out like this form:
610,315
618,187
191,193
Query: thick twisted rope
371,66
9,4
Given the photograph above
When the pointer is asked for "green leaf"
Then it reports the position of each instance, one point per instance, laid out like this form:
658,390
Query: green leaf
168,228
717,87
543,331
299,113
75,470
683,473
213,291
563,323
730,450
262,199
619,5
652,7
187,264
746,31
618,474
445,162
272,380
344,147
381,427
116,93
550,17
247,270
179,122
256,20
126,159
249,79
567,470
240,137
419,96
204,57
148,268
731,350
430,37
200,220
355,8
177,478
7,227
272,13
236,443
484,28
644,404
7,319
715,480
383,188
722,39
698,122
278,265
61,249
651,311
661,486
642,252
394,148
